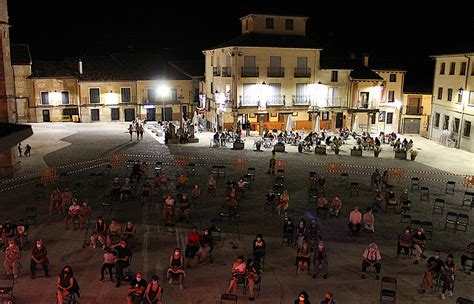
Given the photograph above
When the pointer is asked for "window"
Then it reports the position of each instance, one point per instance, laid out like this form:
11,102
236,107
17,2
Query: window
325,116
44,98
463,68
450,94
467,129
393,77
151,93
456,125
334,76
115,114
249,61
436,120
440,93
64,97
274,97
391,96
442,68
372,118
471,98
275,61
125,95
459,97
94,95
446,122
452,68
289,24
174,95
269,23
389,118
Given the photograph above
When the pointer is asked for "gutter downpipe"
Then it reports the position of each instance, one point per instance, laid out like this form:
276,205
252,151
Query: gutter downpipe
462,102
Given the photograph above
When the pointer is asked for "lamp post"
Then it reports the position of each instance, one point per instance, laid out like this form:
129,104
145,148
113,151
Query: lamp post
163,92
461,95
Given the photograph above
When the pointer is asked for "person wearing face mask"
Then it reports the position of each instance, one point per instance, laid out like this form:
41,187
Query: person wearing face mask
153,292
405,242
303,298
289,232
99,234
192,247
432,271
206,244
122,260
320,259
176,267
12,258
371,257
67,284
328,299
259,246
447,276
419,240
39,257
136,289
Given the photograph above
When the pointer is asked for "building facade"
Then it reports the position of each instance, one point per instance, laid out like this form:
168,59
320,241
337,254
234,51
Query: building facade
452,110
416,113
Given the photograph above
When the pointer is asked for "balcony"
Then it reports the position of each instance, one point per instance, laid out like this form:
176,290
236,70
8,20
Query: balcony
414,110
88,100
301,100
333,102
363,105
302,72
249,72
248,101
275,72
226,72
216,71
275,100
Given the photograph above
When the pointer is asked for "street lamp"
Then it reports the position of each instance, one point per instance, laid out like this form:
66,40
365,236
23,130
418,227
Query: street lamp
461,96
163,91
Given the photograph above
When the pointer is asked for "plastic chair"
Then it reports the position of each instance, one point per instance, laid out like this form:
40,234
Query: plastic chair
415,183
424,194
414,225
462,221
354,189
228,297
30,214
251,172
438,207
39,191
450,187
451,221
428,228
468,199
388,290
7,282
462,300
344,179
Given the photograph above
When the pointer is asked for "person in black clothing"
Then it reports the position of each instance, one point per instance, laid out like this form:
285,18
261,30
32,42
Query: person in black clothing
19,149
27,150
67,284
136,290
39,257
123,259
259,246
433,270
289,232
206,246
303,298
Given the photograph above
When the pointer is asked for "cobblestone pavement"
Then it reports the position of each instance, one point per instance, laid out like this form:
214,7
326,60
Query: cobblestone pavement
205,283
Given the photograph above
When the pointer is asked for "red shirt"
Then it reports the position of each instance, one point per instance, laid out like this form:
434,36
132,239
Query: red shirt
194,238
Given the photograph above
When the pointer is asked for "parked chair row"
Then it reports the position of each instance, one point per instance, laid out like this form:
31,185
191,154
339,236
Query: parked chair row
456,222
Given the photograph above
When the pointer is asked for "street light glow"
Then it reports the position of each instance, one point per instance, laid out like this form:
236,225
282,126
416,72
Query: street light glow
163,91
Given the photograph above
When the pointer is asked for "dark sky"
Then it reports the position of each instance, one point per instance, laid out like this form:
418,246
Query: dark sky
408,30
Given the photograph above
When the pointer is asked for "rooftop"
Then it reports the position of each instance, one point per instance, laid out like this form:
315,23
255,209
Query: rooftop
270,40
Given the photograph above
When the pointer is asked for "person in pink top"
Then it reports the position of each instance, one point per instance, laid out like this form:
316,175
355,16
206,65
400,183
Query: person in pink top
73,214
355,219
371,257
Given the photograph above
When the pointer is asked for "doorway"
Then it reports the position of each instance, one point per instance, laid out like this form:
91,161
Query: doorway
151,114
339,117
129,114
46,117
167,114
95,115
115,114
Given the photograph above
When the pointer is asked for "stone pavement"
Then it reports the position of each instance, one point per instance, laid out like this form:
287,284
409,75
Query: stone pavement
205,283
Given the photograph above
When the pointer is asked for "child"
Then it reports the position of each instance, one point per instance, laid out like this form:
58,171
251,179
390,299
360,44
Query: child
109,263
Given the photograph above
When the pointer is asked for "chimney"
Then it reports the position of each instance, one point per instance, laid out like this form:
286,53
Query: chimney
366,59
80,66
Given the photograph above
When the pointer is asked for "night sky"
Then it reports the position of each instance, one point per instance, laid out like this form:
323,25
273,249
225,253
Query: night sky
404,30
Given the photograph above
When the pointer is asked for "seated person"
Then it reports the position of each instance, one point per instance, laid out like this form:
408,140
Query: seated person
303,298
8,230
143,169
184,207
162,182
239,270
169,206
378,201
73,214
320,259
146,190
432,271
99,234
108,263
419,240
405,242
136,290
193,245
176,267
368,220
67,284
270,199
11,261
376,178
114,233
135,172
122,260
313,233
211,185
355,219
241,186
153,292
129,233
321,184
84,214
328,299
405,198
447,276
206,245
195,195
468,256
283,202
252,276
115,191
322,204
21,231
126,190
289,232
302,258
259,247
182,179
301,233
385,178
55,201
371,257
336,206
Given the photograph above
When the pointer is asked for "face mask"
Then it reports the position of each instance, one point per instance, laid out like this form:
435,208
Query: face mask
301,298
419,233
139,279
38,245
259,239
155,282
328,299
436,257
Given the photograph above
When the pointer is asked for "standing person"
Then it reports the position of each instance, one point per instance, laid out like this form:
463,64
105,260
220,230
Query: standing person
247,128
192,247
320,258
355,219
19,149
130,131
122,260
12,258
259,246
39,256
433,270
303,298
271,168
27,150
137,130
368,219
67,284
141,131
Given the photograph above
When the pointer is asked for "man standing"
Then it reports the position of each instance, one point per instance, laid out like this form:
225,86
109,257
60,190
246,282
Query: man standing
122,260
27,150
19,149
12,258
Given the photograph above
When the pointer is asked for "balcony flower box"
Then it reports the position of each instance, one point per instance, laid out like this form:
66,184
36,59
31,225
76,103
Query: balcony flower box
356,152
279,147
400,154
321,150
238,145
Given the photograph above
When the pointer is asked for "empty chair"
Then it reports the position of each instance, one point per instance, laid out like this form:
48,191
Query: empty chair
313,196
344,179
450,187
222,170
414,225
7,281
428,228
424,194
215,170
462,300
191,169
451,220
40,191
30,215
312,174
438,207
354,189
251,172
415,183
462,222
216,228
468,199
158,167
405,216
78,190
169,228
228,297
388,290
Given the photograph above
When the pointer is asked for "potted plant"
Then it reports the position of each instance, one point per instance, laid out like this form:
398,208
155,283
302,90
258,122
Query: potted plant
337,146
400,154
258,143
413,154
377,150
